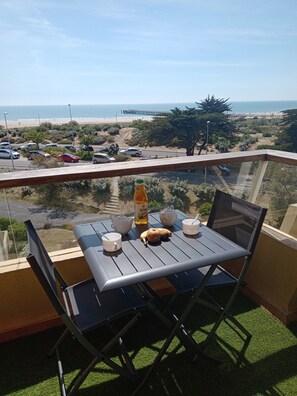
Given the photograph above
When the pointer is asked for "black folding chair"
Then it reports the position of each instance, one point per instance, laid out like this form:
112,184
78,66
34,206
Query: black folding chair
239,221
85,308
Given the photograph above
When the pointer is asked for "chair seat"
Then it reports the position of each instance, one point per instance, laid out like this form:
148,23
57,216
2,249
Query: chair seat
92,308
188,281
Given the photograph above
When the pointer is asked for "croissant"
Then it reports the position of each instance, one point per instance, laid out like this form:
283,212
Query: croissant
154,234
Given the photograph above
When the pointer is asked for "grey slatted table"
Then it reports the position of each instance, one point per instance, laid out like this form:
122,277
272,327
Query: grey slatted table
136,263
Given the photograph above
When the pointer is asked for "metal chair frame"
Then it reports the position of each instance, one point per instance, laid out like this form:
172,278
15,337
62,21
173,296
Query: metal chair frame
236,212
108,306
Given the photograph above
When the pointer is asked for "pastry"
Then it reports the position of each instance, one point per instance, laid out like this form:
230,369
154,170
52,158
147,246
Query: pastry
154,235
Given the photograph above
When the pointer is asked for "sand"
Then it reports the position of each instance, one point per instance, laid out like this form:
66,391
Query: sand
58,121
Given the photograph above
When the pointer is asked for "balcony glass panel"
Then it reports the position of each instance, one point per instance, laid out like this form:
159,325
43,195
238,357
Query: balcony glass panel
278,192
55,208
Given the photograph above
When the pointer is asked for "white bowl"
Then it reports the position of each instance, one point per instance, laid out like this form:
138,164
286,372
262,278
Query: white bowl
112,241
191,226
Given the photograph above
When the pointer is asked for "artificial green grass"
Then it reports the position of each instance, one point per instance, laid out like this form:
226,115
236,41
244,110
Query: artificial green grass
269,366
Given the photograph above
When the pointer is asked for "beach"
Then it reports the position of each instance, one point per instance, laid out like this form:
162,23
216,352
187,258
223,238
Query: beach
34,115
23,123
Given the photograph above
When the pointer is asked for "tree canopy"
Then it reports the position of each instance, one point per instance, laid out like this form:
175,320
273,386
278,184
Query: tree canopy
36,137
187,128
87,139
288,138
214,105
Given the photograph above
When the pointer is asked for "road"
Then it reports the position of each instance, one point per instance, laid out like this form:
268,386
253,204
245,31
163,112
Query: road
41,215
56,217
25,164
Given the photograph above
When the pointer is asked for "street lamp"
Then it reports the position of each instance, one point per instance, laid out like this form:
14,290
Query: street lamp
206,144
207,134
70,115
5,114
8,139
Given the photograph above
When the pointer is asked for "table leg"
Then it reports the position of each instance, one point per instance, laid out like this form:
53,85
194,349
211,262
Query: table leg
178,328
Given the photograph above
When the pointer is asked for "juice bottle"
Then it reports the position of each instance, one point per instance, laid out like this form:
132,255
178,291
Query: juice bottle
140,203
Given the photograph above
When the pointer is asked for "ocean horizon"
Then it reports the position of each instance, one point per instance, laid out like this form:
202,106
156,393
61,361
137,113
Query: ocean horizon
81,112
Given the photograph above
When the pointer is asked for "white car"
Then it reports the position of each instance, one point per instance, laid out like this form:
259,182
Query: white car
4,144
28,146
101,158
7,153
50,145
134,152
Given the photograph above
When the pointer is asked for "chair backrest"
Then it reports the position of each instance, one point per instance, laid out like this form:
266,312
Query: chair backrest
236,219
43,268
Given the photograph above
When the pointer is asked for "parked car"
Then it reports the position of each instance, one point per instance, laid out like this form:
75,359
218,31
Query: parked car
50,145
67,157
103,149
134,152
8,153
70,148
101,158
87,148
28,146
225,171
35,153
4,144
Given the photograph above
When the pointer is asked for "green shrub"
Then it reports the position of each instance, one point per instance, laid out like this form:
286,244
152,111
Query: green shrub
155,190
205,209
121,158
80,185
204,193
113,131
267,134
85,155
126,187
5,223
179,188
176,202
19,230
101,186
26,192
100,140
155,206
68,227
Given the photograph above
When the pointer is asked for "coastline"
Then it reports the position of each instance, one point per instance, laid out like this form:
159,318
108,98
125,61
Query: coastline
23,123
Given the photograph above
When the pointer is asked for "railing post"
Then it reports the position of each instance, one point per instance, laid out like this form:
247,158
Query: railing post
257,181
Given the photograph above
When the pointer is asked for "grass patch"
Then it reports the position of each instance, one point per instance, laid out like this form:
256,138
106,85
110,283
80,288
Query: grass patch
269,367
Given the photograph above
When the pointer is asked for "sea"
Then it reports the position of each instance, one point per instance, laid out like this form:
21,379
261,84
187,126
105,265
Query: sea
114,111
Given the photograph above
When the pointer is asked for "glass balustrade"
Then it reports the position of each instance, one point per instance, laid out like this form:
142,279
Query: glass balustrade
55,208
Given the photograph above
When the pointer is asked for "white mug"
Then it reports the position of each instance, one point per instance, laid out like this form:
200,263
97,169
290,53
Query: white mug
191,226
112,241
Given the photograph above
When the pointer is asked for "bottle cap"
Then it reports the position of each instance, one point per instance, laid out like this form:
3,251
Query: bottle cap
139,181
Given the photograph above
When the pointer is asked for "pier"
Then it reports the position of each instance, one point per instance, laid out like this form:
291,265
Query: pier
143,112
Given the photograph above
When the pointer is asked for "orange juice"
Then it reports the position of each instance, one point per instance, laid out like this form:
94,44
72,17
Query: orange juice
140,203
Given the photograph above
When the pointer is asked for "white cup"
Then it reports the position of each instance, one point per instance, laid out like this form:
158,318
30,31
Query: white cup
112,241
191,226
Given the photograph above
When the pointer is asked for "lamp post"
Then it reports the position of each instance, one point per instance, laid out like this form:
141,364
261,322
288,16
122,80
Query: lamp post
206,145
70,115
207,134
8,139
5,114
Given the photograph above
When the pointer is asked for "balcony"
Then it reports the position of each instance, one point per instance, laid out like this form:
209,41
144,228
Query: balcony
270,282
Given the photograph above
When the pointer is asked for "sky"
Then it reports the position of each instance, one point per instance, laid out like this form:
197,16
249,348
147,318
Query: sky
151,51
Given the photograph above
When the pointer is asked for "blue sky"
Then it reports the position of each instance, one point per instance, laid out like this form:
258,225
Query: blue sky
152,51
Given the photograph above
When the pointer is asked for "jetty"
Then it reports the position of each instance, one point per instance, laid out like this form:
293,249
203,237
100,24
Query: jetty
143,112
